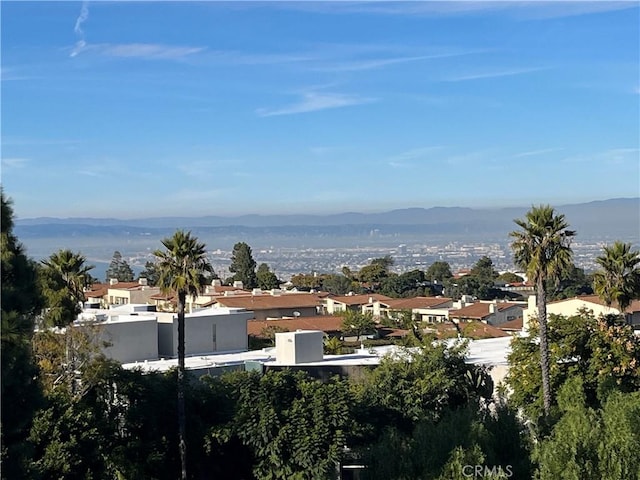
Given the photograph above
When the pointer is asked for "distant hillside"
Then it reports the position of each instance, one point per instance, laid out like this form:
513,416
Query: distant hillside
615,218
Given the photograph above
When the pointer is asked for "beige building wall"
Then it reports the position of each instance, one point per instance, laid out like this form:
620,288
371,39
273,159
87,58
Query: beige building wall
568,307
122,296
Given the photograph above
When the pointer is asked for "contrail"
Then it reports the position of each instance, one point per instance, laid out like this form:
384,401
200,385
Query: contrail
80,44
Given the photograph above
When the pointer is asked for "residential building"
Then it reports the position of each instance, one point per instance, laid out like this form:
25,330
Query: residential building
329,324
493,313
208,330
426,309
123,293
572,306
339,303
136,332
272,305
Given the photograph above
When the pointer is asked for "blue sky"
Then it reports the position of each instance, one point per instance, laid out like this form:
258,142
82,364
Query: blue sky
122,109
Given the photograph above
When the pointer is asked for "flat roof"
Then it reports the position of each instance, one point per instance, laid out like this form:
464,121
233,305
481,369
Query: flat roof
489,352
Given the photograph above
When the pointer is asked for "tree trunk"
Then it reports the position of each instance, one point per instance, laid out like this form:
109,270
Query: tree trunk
181,410
544,345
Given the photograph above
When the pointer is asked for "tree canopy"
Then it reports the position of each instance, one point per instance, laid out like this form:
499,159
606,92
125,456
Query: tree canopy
63,277
266,279
243,266
617,281
542,247
21,301
119,269
438,272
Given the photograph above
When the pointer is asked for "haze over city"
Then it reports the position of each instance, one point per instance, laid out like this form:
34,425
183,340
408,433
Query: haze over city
127,110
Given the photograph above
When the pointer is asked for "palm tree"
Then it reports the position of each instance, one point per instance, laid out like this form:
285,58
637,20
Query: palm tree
543,249
182,268
67,269
618,281
71,268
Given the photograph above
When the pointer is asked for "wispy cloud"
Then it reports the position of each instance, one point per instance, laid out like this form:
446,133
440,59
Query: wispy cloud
470,158
126,50
410,158
81,43
493,74
533,153
315,101
10,163
526,10
143,50
370,64
92,173
12,74
614,156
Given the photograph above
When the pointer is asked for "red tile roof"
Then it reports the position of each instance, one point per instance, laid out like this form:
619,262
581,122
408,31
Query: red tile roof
481,310
353,300
97,290
472,329
267,302
416,302
326,323
511,325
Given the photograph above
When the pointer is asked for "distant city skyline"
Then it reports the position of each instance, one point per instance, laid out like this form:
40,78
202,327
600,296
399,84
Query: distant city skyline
146,109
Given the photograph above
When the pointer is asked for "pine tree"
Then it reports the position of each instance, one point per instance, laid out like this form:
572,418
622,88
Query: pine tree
21,301
243,265
119,269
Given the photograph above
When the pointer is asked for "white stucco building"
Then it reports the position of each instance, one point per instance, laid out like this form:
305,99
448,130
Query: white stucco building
207,331
137,333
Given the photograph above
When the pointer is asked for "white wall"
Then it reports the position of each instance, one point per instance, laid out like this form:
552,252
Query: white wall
230,328
132,338
302,346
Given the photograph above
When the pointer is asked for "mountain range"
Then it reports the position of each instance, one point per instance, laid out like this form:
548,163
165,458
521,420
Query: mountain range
613,218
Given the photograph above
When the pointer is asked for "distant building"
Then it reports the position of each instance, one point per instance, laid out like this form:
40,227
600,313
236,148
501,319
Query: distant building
427,309
120,293
333,304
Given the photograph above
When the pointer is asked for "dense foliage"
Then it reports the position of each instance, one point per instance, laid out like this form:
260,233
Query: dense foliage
243,266
21,302
119,269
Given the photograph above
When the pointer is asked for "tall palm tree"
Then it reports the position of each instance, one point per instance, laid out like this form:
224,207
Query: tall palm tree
618,280
542,247
182,267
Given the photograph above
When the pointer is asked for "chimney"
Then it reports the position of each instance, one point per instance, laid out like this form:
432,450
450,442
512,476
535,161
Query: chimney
238,284
492,308
142,281
216,282
113,281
